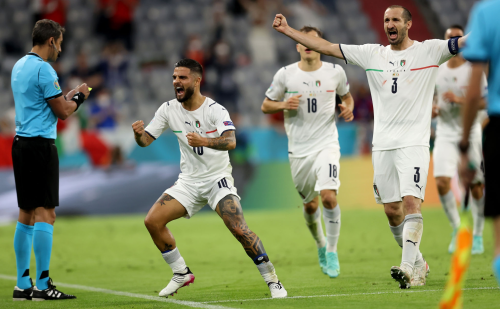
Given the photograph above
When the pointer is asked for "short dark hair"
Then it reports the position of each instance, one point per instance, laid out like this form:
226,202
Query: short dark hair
191,64
406,12
45,29
456,26
308,29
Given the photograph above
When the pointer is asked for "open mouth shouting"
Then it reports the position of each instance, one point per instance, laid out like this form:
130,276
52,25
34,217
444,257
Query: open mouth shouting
308,51
179,91
393,34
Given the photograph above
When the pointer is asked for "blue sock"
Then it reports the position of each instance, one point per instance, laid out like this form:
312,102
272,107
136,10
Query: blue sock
42,245
23,238
496,268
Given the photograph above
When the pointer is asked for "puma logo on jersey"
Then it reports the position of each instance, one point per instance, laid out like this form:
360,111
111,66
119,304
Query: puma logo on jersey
391,62
306,83
189,123
419,187
414,243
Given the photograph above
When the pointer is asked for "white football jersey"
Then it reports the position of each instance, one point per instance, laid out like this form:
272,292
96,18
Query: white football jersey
210,120
311,127
402,88
449,121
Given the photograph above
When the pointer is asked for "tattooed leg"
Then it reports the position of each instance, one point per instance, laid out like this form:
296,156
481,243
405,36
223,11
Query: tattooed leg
166,209
229,209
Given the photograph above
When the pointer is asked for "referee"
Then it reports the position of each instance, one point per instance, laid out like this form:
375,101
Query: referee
482,48
39,102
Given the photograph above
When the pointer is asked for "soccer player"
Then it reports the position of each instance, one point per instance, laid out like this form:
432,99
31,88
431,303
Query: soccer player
306,92
205,133
401,77
451,85
38,102
483,48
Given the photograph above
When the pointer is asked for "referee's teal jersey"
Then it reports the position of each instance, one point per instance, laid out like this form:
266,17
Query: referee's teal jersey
34,82
483,45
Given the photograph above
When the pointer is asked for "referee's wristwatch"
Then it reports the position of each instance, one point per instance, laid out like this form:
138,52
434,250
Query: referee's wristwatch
463,147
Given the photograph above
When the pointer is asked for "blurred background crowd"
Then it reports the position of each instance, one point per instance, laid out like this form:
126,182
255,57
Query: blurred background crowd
125,50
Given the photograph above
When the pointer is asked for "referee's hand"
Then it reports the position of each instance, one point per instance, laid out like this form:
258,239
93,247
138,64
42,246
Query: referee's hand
83,88
138,128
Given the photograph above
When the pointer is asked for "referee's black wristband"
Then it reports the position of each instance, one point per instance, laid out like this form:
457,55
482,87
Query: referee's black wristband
79,98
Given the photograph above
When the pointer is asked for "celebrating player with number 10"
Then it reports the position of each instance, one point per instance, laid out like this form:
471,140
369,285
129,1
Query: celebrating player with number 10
205,133
401,77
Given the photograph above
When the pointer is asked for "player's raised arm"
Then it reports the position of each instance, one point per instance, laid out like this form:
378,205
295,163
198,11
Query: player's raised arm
315,43
227,141
142,138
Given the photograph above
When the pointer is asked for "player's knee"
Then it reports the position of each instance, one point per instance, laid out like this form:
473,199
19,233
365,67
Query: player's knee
329,200
411,204
443,185
477,191
393,210
151,223
310,207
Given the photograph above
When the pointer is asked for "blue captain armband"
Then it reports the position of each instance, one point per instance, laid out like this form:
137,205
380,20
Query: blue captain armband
453,45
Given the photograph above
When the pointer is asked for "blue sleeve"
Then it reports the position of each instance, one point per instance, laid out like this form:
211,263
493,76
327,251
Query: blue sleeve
476,45
49,82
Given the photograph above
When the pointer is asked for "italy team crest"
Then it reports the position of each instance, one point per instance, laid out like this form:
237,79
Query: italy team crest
402,63
318,83
198,124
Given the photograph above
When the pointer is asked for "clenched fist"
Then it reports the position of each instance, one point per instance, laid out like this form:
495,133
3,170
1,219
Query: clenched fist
138,128
346,112
280,23
83,88
292,103
195,140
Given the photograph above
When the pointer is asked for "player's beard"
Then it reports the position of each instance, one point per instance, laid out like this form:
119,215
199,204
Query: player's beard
401,36
188,93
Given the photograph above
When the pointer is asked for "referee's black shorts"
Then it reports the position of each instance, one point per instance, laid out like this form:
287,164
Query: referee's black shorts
36,172
491,149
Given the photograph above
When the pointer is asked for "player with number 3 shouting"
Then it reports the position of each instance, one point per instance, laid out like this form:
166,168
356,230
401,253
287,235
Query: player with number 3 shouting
401,77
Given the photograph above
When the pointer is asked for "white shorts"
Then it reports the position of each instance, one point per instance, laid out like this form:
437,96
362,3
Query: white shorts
316,172
446,157
194,195
400,172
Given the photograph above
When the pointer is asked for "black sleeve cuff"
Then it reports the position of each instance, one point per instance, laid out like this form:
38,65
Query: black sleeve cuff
340,46
54,96
150,134
453,45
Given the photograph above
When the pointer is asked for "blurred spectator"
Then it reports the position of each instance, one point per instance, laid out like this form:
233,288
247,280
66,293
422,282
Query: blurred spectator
51,9
225,88
103,111
7,133
116,20
308,12
114,65
194,49
83,73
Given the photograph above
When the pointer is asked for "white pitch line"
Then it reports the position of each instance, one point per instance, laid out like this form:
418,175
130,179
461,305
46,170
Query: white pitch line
148,297
340,295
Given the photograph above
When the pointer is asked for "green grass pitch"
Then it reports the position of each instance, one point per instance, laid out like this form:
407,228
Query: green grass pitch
116,253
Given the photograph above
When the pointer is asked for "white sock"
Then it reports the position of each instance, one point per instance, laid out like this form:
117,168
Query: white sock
477,209
412,235
332,226
175,261
450,208
397,232
313,222
267,272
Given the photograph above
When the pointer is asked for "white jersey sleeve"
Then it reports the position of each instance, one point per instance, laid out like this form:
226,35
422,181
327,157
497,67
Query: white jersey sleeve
343,86
277,90
440,51
359,55
221,120
159,123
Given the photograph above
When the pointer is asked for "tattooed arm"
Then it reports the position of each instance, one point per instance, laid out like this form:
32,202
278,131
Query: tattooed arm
142,138
227,141
229,209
